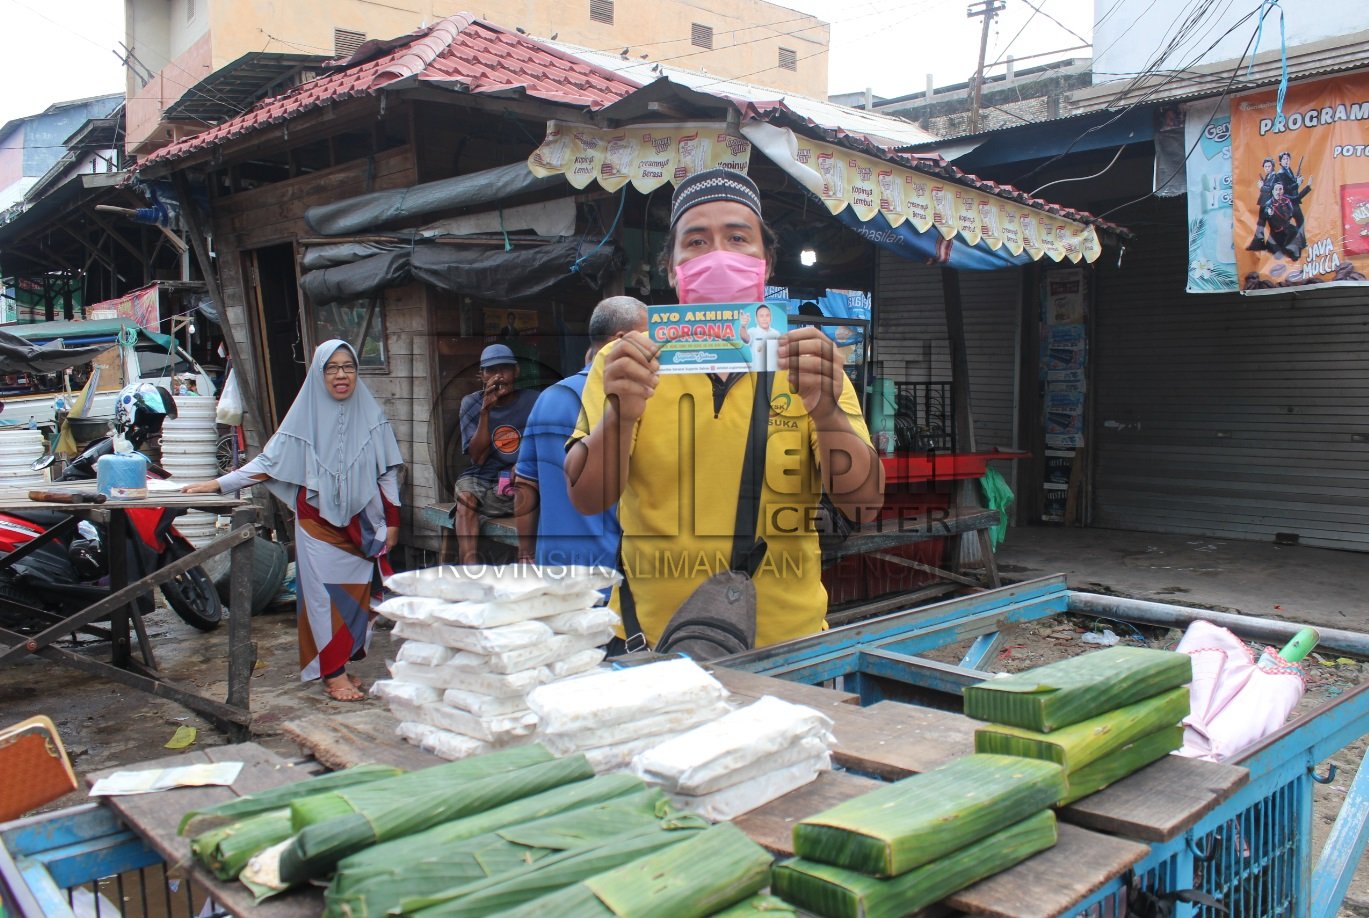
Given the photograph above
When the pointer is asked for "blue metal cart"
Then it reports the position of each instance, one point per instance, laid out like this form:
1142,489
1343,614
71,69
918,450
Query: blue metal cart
1251,851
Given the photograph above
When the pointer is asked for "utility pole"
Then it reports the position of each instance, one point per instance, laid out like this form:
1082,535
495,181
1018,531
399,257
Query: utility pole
988,9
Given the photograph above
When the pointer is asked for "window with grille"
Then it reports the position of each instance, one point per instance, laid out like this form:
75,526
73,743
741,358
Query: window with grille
346,42
788,59
189,10
701,36
601,11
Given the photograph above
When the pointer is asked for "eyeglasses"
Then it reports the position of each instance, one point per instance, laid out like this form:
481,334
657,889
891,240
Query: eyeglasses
339,369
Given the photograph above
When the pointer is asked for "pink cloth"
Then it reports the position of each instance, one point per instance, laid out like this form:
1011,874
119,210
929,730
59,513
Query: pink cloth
1234,700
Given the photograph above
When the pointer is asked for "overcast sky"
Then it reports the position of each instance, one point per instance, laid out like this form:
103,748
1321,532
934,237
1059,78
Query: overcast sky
60,51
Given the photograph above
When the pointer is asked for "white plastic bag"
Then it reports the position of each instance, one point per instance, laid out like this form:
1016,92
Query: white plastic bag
476,640
731,802
482,705
230,408
606,759
501,583
412,693
598,620
618,696
705,758
415,732
476,614
557,648
667,723
576,663
496,731
451,746
424,654
496,685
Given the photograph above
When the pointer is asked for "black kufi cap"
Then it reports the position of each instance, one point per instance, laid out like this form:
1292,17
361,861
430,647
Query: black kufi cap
714,185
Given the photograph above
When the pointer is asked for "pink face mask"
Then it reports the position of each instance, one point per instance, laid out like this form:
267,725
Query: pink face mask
721,277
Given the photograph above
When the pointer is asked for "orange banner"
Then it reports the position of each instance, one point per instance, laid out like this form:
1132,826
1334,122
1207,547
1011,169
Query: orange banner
1300,185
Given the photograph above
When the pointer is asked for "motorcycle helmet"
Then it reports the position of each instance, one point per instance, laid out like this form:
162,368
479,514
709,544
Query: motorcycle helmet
143,405
87,553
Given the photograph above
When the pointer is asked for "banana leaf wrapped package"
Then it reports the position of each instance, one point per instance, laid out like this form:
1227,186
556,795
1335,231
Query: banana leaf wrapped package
1068,691
1115,766
314,808
1087,741
926,817
283,796
576,851
318,847
836,892
711,871
226,849
444,843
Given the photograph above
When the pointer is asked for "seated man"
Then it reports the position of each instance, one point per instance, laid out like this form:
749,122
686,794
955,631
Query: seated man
492,422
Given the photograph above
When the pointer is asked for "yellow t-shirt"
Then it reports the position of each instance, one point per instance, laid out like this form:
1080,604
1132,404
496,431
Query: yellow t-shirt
679,507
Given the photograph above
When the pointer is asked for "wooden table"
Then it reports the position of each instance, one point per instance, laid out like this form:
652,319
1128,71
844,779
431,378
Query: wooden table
1100,837
121,609
156,816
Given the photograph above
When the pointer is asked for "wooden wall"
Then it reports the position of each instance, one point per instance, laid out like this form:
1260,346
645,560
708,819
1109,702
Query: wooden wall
274,215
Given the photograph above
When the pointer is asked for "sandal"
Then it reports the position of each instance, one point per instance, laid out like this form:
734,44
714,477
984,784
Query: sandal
342,688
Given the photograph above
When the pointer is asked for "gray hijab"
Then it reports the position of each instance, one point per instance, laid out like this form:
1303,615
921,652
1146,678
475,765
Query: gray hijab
335,450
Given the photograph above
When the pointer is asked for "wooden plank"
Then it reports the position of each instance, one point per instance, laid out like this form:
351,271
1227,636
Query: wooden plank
747,687
1160,801
893,740
772,826
343,740
155,817
1048,884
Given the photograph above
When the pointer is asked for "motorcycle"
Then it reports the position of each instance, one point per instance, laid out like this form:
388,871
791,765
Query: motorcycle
70,572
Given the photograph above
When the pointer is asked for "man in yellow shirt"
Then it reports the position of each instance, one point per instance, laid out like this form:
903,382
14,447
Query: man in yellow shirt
669,449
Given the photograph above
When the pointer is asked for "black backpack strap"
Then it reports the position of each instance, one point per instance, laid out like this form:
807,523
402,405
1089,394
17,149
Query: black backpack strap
748,548
633,638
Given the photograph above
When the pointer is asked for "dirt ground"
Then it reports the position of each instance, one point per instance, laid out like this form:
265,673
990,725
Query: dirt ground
105,725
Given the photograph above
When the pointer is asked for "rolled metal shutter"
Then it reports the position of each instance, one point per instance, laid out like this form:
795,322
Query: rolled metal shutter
911,343
1222,415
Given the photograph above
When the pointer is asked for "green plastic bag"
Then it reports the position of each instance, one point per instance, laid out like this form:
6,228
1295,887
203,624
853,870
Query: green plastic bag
997,496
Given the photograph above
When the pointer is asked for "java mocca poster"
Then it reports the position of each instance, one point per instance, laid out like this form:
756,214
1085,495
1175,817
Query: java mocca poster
1300,185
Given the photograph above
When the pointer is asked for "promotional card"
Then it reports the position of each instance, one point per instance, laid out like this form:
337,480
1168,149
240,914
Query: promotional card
718,337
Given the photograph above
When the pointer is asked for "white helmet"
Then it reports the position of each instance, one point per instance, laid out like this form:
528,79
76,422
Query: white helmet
138,399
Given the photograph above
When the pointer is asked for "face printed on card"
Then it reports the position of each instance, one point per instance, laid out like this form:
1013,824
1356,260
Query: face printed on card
718,337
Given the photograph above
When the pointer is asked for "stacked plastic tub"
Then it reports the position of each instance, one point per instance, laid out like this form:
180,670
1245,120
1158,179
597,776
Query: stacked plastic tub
189,441
18,449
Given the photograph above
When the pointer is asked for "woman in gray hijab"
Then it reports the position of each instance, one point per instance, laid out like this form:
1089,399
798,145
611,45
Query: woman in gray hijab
335,462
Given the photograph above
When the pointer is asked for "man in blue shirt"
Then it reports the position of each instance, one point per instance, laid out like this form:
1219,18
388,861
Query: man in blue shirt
492,423
550,530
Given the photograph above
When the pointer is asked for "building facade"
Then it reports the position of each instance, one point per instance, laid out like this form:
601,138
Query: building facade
195,62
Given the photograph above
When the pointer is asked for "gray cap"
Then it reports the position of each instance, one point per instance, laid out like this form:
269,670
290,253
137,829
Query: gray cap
496,355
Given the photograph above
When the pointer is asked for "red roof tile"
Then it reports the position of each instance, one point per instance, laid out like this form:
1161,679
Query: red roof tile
460,53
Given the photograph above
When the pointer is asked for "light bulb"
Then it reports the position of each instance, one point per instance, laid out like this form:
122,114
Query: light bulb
808,258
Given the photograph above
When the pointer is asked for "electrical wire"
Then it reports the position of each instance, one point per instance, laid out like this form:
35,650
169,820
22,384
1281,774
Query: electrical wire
825,50
1197,137
1037,9
1142,99
1082,178
129,55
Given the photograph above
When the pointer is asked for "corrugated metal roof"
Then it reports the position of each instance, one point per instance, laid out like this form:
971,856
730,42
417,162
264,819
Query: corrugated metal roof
885,130
459,53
